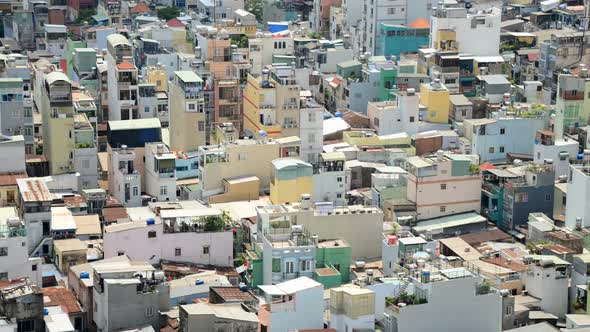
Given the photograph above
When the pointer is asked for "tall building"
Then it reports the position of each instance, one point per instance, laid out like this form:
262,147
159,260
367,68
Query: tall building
122,79
16,111
187,112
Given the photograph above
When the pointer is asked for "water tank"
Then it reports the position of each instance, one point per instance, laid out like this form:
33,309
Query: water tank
305,201
411,91
262,133
359,264
338,114
243,287
151,221
84,275
297,228
580,156
45,312
199,282
14,222
159,275
425,277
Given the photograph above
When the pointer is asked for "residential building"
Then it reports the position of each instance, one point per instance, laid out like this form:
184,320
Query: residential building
34,205
197,236
54,40
572,103
329,179
53,97
547,279
216,317
431,177
69,252
293,304
122,79
352,307
480,303
160,172
311,127
222,10
461,108
239,159
493,88
127,296
124,179
577,213
454,28
14,258
328,222
396,116
187,112
16,111
13,297
399,39
579,275
435,97
550,147
290,178
264,47
62,308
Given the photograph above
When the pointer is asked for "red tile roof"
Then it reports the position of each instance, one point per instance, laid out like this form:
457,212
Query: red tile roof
125,65
63,297
74,201
175,23
9,179
233,294
140,8
114,213
325,271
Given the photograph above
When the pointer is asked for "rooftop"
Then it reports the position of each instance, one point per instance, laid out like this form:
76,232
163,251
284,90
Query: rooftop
69,245
188,76
290,287
88,225
135,124
226,311
232,294
449,221
62,219
62,297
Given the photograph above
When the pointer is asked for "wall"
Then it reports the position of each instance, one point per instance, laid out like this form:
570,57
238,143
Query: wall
308,312
18,264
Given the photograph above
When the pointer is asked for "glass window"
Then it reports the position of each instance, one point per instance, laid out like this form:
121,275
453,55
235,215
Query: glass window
276,265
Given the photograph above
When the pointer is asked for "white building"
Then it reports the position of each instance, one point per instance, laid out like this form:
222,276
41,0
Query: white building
181,235
352,308
122,79
265,45
160,172
35,206
548,279
560,151
55,40
476,34
13,146
577,209
294,304
311,129
124,179
329,179
124,300
395,116
14,256
448,294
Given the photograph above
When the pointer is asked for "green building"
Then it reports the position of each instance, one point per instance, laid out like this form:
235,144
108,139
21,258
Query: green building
333,255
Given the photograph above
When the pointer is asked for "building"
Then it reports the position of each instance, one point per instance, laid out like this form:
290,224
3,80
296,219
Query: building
35,205
435,97
296,303
352,308
290,178
122,79
160,172
454,28
124,179
329,179
572,103
397,116
15,259
431,178
16,111
69,252
62,307
216,317
23,303
559,150
577,213
53,97
126,296
480,303
187,112
548,282
12,168
197,236
461,108
399,39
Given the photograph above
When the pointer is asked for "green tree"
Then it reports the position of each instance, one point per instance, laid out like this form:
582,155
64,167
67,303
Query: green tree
168,13
85,15
241,42
256,7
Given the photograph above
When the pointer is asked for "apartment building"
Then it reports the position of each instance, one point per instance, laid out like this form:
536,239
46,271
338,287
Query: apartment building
160,172
550,147
397,116
329,179
454,28
572,101
124,179
122,79
187,112
197,236
480,303
352,307
290,178
435,97
266,45
239,159
14,258
431,178
577,213
214,317
53,96
296,303
16,111
547,279
34,205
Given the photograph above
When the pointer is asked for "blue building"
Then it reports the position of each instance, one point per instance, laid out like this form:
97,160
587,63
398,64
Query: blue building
187,165
134,133
398,39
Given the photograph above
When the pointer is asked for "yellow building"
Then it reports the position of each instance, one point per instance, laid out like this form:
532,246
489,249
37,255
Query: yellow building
351,303
289,180
435,97
57,112
445,40
159,76
187,112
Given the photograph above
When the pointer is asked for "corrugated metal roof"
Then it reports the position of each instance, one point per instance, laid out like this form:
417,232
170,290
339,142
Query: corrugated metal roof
188,76
34,190
135,124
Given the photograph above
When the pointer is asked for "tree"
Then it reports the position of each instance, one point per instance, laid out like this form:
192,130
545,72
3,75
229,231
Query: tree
241,42
85,15
256,7
168,13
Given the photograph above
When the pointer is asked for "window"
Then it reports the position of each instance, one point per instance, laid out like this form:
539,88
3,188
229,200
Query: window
502,131
443,209
3,275
151,234
135,191
191,107
339,179
491,150
306,265
391,11
276,265
163,190
443,186
177,252
311,116
201,126
205,250
289,267
501,149
509,310
3,251
376,122
338,195
149,311
412,119
120,253
146,109
26,325
547,197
